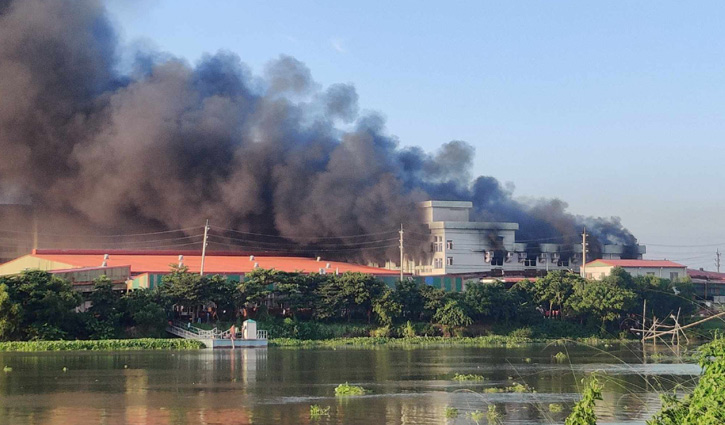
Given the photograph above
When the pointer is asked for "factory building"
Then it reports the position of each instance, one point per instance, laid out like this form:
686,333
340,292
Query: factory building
599,269
460,246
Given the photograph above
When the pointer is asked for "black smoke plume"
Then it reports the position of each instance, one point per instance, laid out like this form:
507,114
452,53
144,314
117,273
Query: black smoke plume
170,145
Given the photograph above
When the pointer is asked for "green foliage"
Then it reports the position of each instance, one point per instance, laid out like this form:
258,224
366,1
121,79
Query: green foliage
460,378
388,308
36,305
583,411
490,301
704,406
7,369
493,415
602,300
556,408
349,390
383,332
144,310
452,315
106,344
555,288
451,412
560,357
408,330
477,416
316,412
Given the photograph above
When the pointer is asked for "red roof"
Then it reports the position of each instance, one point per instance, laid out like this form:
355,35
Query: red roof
155,262
703,274
637,263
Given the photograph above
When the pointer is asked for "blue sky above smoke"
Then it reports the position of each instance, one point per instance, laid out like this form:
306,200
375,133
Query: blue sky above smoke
616,108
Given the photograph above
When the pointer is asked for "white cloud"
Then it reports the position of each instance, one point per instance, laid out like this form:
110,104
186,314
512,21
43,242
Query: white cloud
338,45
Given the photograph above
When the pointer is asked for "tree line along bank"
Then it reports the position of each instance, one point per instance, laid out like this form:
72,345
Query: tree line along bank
36,305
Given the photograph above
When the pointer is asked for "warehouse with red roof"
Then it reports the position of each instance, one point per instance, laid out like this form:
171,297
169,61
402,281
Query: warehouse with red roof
664,269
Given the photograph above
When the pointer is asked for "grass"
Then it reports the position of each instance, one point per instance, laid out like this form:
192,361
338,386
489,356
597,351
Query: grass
349,390
493,414
316,412
105,344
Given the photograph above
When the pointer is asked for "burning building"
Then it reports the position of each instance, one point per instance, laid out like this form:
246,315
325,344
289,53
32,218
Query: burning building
461,246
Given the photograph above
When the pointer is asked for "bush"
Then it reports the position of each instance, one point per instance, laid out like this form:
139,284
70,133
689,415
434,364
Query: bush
522,333
408,330
383,332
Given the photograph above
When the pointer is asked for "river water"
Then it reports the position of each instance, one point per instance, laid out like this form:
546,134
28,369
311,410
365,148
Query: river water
278,385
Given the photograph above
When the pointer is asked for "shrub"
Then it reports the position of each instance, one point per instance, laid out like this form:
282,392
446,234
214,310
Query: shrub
408,330
383,332
522,333
451,412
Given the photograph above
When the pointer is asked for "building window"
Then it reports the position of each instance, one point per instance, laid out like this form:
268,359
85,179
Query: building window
438,263
530,262
674,275
650,273
449,244
449,261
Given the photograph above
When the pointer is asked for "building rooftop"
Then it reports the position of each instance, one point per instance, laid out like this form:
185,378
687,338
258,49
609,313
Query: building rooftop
446,204
635,263
161,262
473,225
703,274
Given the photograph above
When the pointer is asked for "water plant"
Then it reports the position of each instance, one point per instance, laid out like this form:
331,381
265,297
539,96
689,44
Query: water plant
316,412
104,344
555,408
451,412
7,369
583,411
460,378
493,415
560,357
477,416
349,390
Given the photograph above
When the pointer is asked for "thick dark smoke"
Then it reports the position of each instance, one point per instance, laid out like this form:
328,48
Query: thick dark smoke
171,144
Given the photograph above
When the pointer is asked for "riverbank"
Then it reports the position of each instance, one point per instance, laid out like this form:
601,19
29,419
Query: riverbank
479,341
103,345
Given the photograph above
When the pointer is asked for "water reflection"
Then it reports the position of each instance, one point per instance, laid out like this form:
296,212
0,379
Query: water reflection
407,386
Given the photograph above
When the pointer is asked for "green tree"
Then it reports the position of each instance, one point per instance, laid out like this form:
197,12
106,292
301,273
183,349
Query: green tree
452,315
104,315
600,300
185,289
145,311
409,294
490,301
36,305
257,285
350,294
555,288
388,307
432,301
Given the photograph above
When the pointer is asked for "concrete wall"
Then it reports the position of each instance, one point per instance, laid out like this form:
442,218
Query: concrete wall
599,272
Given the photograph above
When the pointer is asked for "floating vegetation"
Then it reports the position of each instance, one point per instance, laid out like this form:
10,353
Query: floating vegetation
460,378
451,412
513,388
493,414
555,408
103,344
527,360
560,357
316,412
7,369
477,416
348,390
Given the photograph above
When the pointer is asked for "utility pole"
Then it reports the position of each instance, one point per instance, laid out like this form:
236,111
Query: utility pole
717,259
401,251
203,247
584,254
35,230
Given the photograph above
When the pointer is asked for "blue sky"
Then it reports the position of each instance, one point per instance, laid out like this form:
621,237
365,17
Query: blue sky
615,107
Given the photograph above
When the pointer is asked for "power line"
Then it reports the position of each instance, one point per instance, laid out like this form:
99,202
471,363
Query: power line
66,235
303,236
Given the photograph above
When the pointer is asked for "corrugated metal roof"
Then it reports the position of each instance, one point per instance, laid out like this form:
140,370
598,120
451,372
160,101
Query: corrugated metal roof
151,262
637,263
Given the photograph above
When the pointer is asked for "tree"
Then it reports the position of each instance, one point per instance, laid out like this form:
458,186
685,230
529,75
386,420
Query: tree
452,316
257,285
555,288
104,314
185,289
409,295
490,300
388,307
599,299
349,294
36,305
145,310
432,300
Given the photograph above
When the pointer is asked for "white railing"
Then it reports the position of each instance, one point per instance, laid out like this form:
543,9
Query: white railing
192,332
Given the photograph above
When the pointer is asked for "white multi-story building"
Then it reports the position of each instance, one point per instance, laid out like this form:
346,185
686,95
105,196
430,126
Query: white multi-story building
461,246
